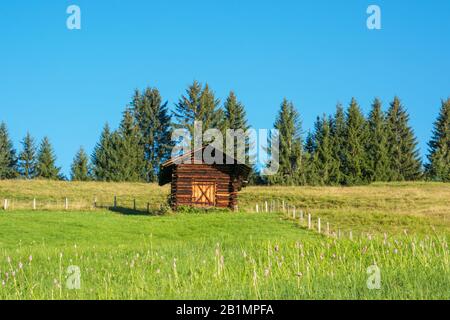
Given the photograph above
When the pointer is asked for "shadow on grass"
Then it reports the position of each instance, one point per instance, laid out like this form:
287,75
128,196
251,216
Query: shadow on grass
134,212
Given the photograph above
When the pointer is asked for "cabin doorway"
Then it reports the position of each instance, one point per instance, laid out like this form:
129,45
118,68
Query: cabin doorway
204,194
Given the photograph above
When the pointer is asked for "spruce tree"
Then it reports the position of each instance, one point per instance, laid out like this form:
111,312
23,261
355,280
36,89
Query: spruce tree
235,119
28,157
325,161
46,167
8,160
154,122
377,149
80,169
310,161
404,161
210,113
102,157
355,158
338,132
128,159
199,104
290,148
235,116
439,146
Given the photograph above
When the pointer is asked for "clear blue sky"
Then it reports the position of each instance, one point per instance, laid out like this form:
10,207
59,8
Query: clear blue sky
67,84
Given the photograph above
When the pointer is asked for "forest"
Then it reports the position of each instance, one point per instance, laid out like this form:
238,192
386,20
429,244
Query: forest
344,148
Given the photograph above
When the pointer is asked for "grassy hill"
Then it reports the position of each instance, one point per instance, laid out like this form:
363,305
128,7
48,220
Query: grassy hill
393,207
130,254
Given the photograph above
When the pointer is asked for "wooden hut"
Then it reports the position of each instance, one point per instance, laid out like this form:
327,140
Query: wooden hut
196,183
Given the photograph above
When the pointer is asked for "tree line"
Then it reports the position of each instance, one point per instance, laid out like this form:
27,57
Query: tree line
345,148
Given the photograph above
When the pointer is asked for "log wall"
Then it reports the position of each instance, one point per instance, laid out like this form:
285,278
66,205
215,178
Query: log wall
226,181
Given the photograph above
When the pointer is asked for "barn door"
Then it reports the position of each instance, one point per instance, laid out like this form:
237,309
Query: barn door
204,193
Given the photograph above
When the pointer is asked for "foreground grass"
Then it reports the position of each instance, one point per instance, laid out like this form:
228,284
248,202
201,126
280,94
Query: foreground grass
207,256
222,254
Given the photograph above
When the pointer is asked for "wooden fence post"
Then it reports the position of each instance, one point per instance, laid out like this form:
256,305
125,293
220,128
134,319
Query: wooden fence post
5,204
318,225
301,215
34,203
115,201
134,204
293,212
66,203
267,208
257,208
148,207
95,202
282,205
309,220
350,235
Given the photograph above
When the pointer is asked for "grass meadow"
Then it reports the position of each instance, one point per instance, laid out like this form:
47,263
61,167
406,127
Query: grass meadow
402,230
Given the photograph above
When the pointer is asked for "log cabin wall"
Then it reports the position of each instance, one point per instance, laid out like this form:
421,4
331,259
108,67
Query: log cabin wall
223,177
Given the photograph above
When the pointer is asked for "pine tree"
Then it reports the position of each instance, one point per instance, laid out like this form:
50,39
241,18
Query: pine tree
8,160
290,148
439,146
27,158
154,122
80,169
377,150
46,168
102,156
405,163
199,104
338,132
325,161
355,158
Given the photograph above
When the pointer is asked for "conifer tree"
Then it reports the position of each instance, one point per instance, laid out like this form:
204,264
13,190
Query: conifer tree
290,148
404,161
199,104
377,151
439,146
310,160
46,167
128,161
235,119
235,116
8,160
80,169
102,157
355,158
154,122
338,129
27,157
323,150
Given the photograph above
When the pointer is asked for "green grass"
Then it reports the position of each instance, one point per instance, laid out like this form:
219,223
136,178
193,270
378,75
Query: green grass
207,256
127,254
419,207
